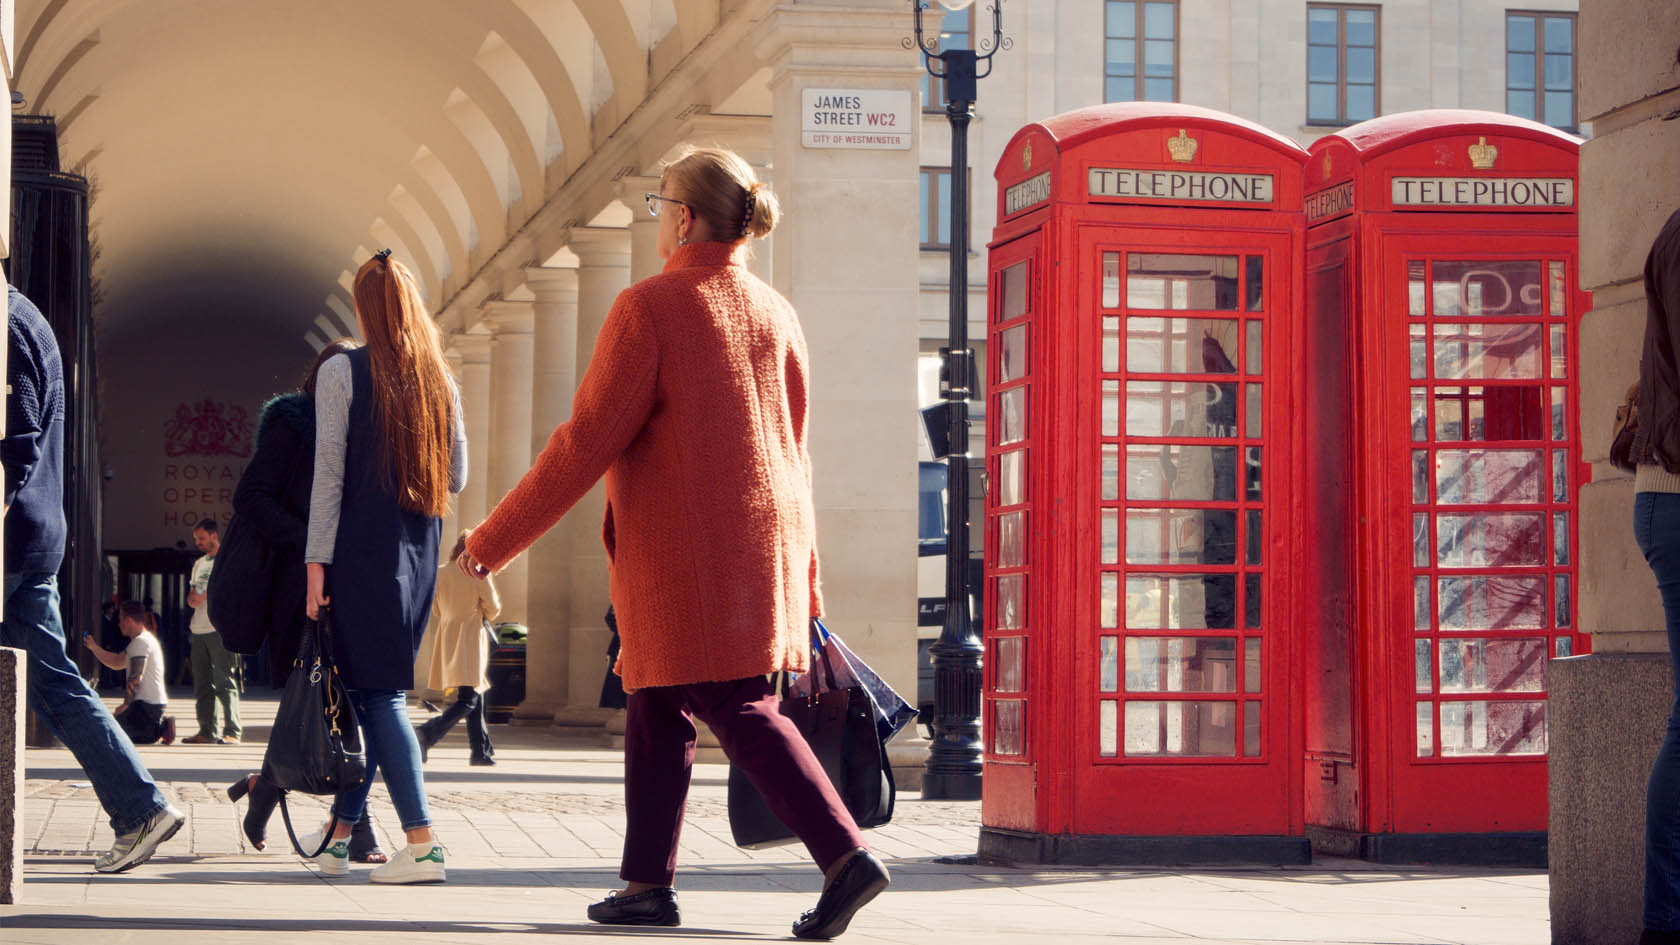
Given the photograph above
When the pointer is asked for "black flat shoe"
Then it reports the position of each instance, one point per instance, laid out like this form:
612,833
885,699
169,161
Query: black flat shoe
860,880
479,761
653,907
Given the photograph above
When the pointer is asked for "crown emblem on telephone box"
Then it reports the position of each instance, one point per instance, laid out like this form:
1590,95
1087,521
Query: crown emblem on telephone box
1026,156
1182,148
1482,154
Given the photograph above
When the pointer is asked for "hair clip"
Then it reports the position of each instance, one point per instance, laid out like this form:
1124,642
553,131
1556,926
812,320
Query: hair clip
383,256
746,218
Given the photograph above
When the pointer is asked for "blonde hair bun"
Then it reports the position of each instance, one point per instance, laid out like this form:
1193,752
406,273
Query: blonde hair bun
720,187
766,211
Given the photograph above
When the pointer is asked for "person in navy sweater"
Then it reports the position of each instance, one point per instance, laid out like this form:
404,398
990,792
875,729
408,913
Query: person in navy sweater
33,454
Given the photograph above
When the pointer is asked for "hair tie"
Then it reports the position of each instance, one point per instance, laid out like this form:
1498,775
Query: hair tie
383,256
752,204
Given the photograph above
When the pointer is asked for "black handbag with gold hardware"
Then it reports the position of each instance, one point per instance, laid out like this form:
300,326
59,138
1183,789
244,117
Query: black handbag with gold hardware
316,745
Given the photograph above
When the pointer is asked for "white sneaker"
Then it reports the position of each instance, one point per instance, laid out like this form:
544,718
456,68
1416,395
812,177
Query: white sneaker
414,863
334,860
138,845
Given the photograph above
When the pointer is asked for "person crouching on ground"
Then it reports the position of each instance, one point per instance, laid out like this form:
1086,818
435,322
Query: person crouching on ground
144,698
456,654
694,407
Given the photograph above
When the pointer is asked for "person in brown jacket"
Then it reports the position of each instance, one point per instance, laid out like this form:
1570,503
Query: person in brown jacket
455,654
694,407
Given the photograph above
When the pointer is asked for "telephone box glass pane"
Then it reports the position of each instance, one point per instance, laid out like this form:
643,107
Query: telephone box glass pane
1420,415
1012,361
1486,288
1560,537
1256,353
1012,478
1110,600
1425,731
1008,726
1111,345
1181,601
1182,473
1559,292
1489,477
1493,728
1108,665
1176,536
1423,671
1491,540
1493,602
1111,280
1252,458
1560,475
1493,665
1011,656
1560,353
1420,476
1108,728
1423,615
1011,539
1255,539
1111,472
1157,408
1013,428
1419,352
1181,664
1181,281
1011,598
1561,605
1417,290
1251,729
1490,413
1478,351
1256,290
1558,415
1111,537
1111,408
1565,646
1252,602
1185,729
1181,345
1252,675
1256,408
1015,282
1420,539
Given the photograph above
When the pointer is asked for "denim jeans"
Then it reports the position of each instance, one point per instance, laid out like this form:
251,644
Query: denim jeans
73,710
1656,527
392,750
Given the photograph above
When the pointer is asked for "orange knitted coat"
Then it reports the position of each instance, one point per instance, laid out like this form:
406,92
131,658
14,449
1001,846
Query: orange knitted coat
694,405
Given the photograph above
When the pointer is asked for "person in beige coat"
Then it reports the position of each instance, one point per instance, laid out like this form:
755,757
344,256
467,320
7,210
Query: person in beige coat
455,653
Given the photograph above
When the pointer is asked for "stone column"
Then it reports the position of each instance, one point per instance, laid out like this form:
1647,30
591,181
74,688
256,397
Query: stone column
603,271
473,502
854,206
452,519
549,595
510,324
644,227
1607,710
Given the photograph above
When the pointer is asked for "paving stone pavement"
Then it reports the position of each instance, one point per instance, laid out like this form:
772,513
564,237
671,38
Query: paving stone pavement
534,839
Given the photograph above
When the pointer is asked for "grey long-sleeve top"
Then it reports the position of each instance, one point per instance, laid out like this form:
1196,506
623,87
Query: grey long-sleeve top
332,419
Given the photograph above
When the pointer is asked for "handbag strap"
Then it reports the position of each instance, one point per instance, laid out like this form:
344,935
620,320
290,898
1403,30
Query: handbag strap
297,845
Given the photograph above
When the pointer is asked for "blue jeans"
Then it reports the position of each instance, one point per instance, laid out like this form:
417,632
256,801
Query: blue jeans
393,751
1656,527
73,710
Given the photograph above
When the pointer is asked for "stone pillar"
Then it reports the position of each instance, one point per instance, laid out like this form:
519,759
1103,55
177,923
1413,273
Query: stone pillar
1608,710
452,518
644,227
474,500
510,326
604,257
12,692
549,597
861,332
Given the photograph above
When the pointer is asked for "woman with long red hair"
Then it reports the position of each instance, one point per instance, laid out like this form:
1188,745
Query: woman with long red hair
390,448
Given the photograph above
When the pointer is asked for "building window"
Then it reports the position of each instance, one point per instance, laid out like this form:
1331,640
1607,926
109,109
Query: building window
1140,63
1343,63
1540,67
936,208
953,34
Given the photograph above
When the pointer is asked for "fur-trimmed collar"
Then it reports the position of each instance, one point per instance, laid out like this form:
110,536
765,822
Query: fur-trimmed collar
295,409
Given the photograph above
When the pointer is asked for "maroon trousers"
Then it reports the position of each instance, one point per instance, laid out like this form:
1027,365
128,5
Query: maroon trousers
659,755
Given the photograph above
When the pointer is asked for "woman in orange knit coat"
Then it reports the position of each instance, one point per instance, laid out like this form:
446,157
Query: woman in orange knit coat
694,407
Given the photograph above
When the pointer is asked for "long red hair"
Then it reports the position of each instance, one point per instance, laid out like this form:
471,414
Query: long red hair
413,409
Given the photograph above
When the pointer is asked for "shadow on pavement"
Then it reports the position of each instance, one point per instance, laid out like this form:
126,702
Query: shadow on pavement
348,925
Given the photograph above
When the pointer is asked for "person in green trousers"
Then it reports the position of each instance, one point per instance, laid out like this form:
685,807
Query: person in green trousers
215,670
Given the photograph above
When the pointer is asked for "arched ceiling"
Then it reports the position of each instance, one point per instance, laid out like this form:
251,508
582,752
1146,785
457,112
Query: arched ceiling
244,154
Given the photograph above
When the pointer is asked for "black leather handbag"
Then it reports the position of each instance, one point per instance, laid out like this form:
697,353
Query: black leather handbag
316,744
839,725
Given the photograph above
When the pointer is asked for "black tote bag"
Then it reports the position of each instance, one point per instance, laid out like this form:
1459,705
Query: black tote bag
316,744
839,725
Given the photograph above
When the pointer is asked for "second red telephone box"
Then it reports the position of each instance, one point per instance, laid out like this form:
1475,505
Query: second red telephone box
1139,683
1441,439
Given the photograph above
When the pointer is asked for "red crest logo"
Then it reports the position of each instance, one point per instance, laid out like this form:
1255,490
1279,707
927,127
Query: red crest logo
209,428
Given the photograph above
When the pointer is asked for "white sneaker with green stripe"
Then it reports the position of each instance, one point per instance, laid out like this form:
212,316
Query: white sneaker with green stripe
415,863
334,860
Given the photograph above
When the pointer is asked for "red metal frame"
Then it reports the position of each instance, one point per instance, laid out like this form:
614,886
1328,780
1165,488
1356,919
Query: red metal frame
1390,786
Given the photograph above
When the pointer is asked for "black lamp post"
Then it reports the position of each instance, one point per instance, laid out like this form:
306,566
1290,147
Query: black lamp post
953,767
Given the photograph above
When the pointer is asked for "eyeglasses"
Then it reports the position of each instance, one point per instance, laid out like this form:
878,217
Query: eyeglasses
653,202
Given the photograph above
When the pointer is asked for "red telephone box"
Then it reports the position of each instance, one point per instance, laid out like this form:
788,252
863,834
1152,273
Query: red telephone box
1145,282
1441,441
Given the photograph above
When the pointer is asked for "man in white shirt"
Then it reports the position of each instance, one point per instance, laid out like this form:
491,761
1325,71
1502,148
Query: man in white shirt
214,669
144,698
